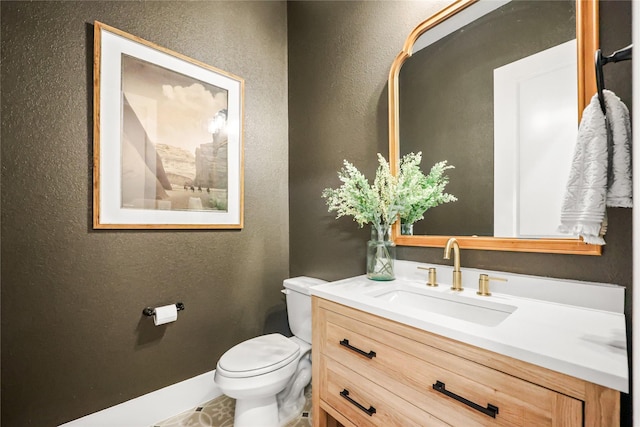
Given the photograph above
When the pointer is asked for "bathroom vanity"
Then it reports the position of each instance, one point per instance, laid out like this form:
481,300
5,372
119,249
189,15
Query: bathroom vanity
384,357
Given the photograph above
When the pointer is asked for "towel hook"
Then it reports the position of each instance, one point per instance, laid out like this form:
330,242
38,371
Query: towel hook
600,60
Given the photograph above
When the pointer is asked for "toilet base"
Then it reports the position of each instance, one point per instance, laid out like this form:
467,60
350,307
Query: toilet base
260,412
291,400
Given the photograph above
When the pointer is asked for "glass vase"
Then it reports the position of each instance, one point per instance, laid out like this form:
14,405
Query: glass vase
406,229
381,254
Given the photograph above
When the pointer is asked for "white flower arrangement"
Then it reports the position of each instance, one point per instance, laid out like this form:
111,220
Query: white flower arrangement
407,196
418,192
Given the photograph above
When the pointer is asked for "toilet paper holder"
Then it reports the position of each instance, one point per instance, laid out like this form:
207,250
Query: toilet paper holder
149,311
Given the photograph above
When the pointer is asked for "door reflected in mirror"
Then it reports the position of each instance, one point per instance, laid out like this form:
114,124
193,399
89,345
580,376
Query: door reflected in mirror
534,125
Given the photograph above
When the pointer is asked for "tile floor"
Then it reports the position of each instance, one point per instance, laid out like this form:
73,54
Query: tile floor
219,413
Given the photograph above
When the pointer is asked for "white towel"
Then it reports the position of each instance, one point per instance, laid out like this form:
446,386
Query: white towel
619,186
586,197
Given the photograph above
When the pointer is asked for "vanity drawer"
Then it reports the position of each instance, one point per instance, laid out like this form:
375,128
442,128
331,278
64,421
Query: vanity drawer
366,403
454,389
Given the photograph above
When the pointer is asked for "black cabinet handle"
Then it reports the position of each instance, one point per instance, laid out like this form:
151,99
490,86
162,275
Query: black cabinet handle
490,410
345,393
345,343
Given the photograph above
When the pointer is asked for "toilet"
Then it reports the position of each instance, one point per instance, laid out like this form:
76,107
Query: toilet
267,374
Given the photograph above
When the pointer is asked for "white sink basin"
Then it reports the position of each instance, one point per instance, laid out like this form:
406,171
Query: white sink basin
483,312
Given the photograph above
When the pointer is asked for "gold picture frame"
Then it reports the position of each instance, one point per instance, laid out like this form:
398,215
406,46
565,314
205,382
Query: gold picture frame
168,145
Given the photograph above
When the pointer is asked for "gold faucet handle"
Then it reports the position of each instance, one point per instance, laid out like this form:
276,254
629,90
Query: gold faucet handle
432,276
483,284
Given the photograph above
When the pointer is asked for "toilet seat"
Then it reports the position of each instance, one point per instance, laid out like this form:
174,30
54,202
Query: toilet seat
258,356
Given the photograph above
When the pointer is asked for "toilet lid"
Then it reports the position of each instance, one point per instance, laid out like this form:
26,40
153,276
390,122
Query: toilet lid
258,356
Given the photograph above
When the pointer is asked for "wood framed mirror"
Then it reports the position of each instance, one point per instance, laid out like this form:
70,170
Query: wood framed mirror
586,42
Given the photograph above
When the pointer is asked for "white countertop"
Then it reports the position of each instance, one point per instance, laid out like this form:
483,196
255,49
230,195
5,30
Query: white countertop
585,339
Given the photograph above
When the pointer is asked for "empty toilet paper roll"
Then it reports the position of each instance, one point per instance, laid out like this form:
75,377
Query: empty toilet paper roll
165,314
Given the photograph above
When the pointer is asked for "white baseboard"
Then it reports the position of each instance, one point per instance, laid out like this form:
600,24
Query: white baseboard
154,407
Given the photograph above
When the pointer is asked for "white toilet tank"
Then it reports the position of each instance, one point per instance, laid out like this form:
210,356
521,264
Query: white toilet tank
299,305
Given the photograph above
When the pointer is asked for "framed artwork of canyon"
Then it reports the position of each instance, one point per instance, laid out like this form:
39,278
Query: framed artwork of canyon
168,150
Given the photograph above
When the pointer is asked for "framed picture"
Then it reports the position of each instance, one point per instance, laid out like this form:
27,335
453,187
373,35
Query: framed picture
168,149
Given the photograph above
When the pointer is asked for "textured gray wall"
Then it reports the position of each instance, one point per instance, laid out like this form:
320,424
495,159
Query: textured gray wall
340,54
73,338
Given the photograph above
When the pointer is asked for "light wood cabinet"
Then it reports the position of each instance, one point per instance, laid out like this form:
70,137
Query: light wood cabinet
370,371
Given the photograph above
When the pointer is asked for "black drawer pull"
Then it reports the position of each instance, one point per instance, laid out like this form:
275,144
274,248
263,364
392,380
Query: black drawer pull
345,393
490,410
370,355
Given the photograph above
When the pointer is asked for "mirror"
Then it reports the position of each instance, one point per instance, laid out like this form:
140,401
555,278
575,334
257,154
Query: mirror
474,233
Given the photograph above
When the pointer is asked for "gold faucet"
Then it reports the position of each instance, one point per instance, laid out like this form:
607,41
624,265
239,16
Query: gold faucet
457,274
